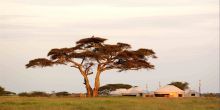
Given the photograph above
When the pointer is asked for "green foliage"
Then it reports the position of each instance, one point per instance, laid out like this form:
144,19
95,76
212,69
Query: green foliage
181,85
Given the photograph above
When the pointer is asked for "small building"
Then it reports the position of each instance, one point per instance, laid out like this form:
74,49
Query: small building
169,91
134,91
118,92
148,94
191,93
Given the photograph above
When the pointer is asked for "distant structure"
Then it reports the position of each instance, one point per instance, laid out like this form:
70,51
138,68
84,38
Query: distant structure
134,91
165,91
53,93
191,93
200,87
159,85
169,91
173,91
146,87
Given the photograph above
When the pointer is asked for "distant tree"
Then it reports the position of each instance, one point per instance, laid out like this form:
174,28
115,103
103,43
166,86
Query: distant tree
64,93
34,94
24,94
211,95
5,93
94,53
181,85
39,94
106,89
9,93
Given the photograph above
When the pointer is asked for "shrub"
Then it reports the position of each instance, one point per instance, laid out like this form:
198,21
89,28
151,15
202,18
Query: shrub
39,94
34,94
5,93
62,93
211,95
9,93
24,94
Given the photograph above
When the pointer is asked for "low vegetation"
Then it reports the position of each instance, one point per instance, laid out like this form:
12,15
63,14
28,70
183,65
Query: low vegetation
3,92
64,93
107,103
43,94
211,95
34,94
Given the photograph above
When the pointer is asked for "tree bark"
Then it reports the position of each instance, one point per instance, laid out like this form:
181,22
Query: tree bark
97,82
88,87
87,84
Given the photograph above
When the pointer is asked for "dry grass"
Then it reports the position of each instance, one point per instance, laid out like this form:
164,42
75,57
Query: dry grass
108,103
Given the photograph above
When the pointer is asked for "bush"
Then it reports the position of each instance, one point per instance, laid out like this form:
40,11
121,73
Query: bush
34,94
9,93
211,95
39,94
5,93
24,94
62,93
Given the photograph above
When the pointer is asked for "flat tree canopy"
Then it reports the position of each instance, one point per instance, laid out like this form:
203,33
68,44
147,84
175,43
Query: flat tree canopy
94,53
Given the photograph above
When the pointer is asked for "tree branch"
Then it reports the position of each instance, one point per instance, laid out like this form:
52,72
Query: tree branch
88,68
75,63
107,68
82,60
74,66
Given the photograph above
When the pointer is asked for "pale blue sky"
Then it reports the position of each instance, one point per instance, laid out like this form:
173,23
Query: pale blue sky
183,33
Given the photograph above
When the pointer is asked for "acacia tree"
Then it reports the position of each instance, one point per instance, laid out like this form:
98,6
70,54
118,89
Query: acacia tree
94,53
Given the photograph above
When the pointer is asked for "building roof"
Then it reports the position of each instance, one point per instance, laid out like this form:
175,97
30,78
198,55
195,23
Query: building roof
119,91
168,89
133,90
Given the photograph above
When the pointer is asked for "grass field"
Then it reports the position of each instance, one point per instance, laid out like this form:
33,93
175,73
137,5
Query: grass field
108,103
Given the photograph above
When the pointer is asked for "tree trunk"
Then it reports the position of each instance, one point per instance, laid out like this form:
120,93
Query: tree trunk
86,82
88,87
97,82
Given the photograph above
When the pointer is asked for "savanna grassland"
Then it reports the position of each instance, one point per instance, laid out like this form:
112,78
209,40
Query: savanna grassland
108,103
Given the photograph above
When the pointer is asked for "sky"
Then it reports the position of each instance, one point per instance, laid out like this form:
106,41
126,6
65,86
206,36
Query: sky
183,33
